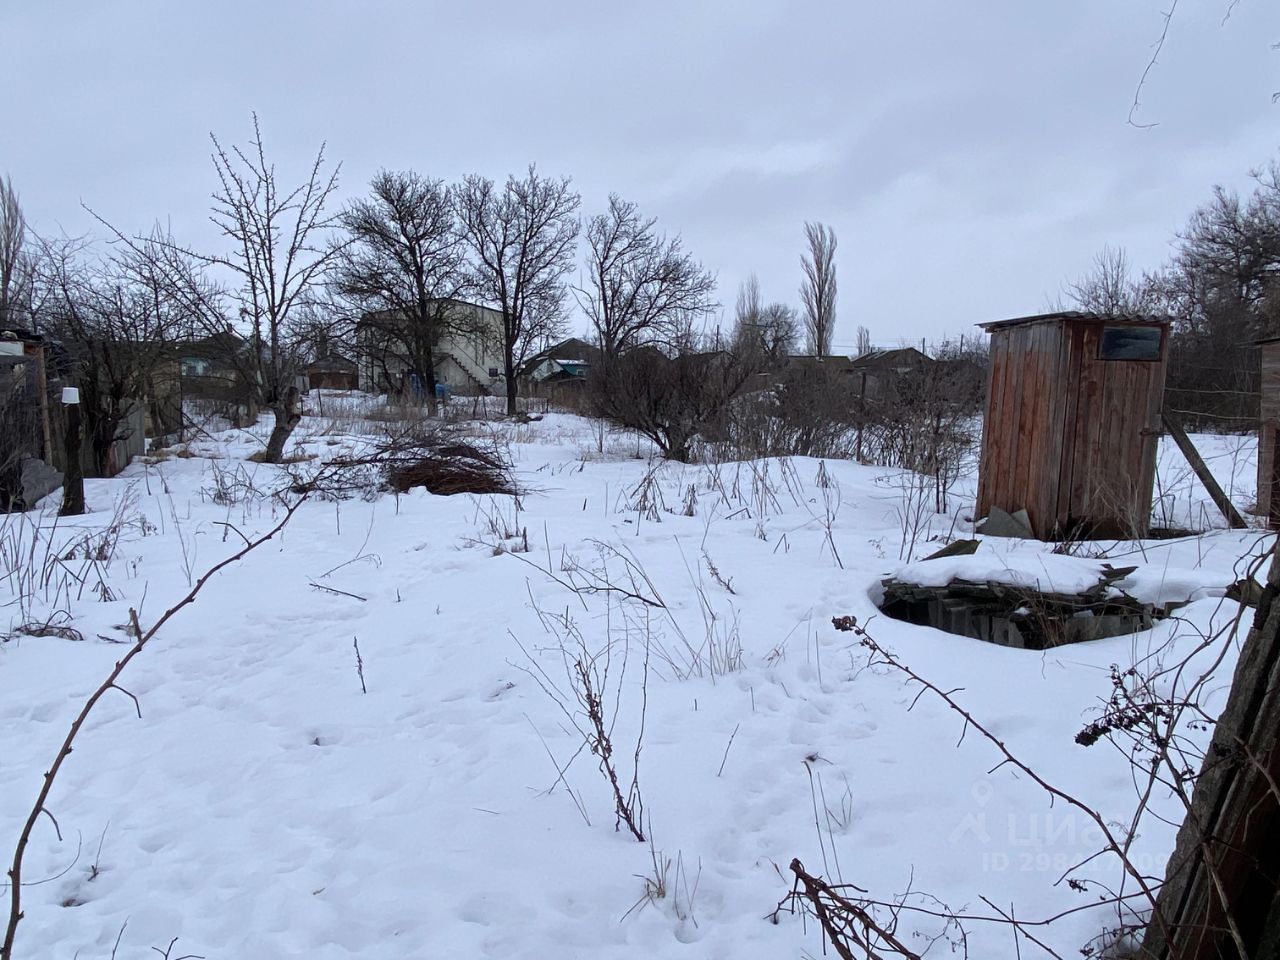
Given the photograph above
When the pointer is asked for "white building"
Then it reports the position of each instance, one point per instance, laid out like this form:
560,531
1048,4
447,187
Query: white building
466,350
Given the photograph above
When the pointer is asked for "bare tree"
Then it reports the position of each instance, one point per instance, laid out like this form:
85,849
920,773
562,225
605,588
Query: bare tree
1223,289
403,267
818,292
749,305
863,345
523,239
279,253
1109,288
13,231
768,333
116,318
640,286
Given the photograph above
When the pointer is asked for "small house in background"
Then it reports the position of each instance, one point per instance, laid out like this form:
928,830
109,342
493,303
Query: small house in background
876,373
559,372
1073,420
333,372
210,370
1269,433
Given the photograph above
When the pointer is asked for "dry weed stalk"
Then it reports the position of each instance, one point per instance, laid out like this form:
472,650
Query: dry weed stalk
590,697
849,925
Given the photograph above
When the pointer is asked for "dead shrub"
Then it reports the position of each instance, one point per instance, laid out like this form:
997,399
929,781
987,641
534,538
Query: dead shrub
672,400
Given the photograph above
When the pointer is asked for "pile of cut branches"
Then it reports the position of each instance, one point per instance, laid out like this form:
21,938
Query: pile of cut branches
439,459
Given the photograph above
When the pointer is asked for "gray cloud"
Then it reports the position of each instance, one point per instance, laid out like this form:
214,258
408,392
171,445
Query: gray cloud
970,156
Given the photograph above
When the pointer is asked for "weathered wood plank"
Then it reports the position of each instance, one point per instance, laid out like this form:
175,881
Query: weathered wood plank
1220,896
1088,421
1021,417
987,482
1220,499
1269,436
1151,431
1042,466
1071,404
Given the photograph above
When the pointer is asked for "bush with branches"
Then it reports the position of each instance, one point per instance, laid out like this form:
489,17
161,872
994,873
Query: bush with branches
672,400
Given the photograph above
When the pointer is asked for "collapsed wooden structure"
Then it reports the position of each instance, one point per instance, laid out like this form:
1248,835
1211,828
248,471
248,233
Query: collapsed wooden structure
1020,616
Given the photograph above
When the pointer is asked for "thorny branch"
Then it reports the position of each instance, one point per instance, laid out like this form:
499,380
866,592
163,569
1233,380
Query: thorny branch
64,751
1114,843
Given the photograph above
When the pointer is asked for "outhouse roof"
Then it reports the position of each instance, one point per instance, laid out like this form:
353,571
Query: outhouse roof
1077,316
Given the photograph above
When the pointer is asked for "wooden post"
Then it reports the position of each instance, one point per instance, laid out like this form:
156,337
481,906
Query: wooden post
73,474
42,385
1221,897
1189,451
1273,503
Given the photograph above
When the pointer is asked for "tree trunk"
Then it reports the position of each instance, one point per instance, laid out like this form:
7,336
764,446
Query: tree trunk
513,388
424,341
1220,895
287,415
102,432
427,375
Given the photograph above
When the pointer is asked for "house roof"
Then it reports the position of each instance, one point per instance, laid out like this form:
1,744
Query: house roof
903,356
393,313
215,345
833,361
573,351
332,361
1078,316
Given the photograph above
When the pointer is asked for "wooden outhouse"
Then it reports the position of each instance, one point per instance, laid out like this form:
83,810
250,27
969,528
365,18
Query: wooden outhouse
1073,422
1269,433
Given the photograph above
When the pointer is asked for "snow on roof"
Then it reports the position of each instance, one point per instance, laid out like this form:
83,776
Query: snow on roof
1045,572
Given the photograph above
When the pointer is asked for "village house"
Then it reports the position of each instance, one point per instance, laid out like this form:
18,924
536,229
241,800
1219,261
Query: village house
466,350
209,369
560,371
877,372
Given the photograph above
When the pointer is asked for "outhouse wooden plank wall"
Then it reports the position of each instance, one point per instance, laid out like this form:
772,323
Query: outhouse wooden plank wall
1269,433
1073,420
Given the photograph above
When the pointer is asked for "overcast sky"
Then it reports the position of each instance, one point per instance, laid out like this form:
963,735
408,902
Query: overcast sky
971,156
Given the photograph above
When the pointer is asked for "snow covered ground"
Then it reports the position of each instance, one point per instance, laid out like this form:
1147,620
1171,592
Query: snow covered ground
264,805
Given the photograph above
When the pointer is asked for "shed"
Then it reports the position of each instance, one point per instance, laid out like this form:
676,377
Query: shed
1269,432
333,372
1073,421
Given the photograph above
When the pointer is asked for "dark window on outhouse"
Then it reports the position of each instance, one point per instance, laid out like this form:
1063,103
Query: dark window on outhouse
1130,343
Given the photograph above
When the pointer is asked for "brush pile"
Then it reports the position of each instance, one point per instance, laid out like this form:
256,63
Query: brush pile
438,458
